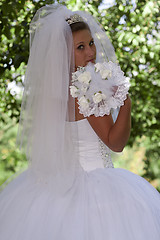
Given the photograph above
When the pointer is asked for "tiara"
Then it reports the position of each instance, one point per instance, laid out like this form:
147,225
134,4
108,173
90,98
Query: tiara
74,18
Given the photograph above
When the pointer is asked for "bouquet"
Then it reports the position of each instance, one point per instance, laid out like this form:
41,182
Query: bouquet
99,88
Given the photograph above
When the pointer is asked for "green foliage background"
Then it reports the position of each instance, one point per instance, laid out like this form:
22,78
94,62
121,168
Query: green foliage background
133,28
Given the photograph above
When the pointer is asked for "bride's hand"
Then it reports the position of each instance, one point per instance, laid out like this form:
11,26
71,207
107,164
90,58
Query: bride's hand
114,89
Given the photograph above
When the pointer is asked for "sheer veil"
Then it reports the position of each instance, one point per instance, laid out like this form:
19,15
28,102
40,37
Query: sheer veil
47,115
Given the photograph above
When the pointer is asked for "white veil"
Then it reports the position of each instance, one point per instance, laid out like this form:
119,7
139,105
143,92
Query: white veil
45,131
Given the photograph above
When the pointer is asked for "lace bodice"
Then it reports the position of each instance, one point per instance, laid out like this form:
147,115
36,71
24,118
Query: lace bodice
93,153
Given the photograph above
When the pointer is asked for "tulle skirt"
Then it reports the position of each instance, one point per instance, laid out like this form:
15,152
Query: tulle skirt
103,204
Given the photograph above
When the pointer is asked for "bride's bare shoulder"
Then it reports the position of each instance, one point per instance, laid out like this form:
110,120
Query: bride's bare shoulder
101,125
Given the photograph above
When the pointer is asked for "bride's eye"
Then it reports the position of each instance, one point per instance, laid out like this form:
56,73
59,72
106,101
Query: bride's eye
80,47
91,42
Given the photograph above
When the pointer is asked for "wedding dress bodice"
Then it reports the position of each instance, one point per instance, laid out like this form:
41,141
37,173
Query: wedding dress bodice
91,150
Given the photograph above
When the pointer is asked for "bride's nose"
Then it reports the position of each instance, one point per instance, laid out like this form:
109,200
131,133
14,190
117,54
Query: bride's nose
90,52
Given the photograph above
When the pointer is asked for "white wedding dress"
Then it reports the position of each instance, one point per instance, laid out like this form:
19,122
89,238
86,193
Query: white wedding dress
105,203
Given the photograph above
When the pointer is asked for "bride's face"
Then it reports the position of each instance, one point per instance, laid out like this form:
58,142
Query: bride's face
84,48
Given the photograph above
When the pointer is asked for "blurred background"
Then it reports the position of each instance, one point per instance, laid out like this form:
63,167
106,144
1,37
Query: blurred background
133,27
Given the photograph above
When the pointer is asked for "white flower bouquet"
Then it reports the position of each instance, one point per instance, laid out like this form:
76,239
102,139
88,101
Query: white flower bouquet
99,88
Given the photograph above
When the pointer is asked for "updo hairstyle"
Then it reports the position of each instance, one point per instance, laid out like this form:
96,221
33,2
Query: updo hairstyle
78,26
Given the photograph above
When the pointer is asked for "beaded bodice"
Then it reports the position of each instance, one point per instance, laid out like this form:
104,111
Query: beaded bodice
93,153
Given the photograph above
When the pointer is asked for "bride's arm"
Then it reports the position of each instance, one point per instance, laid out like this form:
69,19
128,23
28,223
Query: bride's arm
114,135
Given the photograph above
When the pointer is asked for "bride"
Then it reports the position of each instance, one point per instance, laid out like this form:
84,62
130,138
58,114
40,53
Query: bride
71,189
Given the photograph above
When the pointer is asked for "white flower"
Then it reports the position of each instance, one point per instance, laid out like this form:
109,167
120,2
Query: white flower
84,77
84,89
83,102
105,73
98,97
74,91
74,76
98,67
